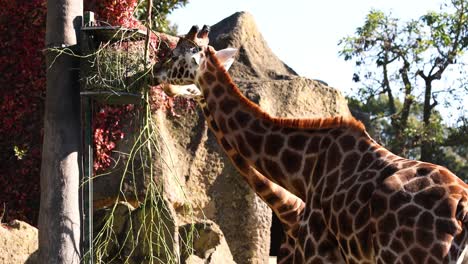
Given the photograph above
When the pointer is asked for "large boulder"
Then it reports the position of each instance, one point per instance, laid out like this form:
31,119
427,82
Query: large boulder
209,245
267,81
198,180
210,179
147,234
255,59
18,243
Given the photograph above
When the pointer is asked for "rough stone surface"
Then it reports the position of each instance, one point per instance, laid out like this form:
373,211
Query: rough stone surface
295,97
18,243
199,242
122,214
267,81
131,230
255,59
107,186
214,185
216,191
209,245
198,180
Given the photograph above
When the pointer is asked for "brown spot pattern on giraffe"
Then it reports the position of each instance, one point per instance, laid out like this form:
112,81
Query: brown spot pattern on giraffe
291,161
218,91
410,203
228,105
209,78
273,144
214,126
242,118
232,124
272,168
222,125
254,141
257,128
243,147
225,144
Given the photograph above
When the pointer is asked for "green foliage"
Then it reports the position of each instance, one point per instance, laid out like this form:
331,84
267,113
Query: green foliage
397,64
451,142
161,8
453,152
20,152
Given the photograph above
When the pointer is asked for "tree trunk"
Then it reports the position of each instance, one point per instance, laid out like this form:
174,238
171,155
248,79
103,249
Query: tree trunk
400,122
59,215
386,85
427,145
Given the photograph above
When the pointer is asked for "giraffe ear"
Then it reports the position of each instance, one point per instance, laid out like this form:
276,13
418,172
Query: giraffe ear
226,57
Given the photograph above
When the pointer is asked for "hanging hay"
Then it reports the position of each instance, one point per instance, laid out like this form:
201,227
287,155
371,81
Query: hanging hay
117,68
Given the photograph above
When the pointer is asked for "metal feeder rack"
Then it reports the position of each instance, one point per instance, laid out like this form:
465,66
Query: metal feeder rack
91,36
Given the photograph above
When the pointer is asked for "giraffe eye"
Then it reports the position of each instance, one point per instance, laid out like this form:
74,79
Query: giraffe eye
194,49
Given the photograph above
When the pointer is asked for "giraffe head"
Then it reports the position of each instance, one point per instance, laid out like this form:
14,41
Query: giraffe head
187,57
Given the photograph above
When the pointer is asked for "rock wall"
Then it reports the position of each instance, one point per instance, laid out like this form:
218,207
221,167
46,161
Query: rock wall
18,243
198,180
267,81
202,190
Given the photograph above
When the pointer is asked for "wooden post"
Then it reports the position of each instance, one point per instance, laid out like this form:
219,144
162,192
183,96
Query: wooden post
59,215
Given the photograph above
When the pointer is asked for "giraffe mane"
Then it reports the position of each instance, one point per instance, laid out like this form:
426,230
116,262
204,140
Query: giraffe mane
306,123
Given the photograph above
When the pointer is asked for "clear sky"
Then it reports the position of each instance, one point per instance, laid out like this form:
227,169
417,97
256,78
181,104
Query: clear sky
305,33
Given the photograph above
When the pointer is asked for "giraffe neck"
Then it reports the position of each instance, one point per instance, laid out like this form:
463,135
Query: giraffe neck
284,204
294,153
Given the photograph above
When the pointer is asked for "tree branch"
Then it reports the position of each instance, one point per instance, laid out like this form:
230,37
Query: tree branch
408,100
452,53
386,85
434,104
421,73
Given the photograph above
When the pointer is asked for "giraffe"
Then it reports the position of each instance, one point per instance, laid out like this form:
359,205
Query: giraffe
286,206
363,204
